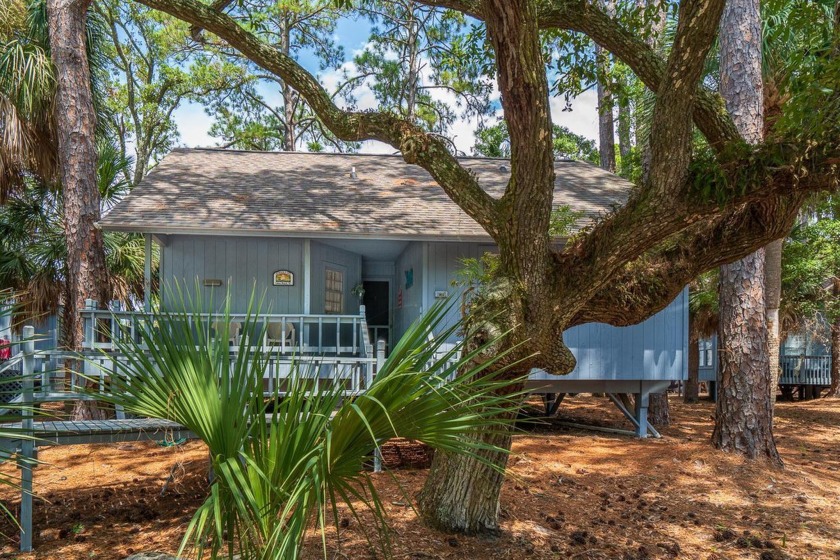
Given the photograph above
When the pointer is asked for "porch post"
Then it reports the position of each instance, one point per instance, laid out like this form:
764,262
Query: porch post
147,275
307,277
26,460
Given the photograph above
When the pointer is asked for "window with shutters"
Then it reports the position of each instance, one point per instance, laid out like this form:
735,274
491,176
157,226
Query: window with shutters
334,295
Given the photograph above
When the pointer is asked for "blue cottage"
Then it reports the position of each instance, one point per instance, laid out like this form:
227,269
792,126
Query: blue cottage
349,249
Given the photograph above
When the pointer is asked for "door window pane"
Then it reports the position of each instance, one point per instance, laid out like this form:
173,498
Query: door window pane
334,296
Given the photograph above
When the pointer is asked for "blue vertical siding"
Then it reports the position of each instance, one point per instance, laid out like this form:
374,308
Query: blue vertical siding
412,298
242,263
445,262
652,350
324,256
655,349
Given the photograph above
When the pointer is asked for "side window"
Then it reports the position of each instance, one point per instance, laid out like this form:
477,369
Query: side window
334,295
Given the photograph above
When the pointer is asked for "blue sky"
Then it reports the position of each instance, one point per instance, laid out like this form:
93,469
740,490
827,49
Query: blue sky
194,124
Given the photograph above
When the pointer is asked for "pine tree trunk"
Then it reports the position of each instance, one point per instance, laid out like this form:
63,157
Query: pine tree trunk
834,389
75,125
659,410
290,99
744,414
606,125
624,127
692,384
773,289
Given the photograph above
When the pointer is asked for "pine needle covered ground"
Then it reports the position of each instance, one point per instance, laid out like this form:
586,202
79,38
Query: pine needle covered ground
570,494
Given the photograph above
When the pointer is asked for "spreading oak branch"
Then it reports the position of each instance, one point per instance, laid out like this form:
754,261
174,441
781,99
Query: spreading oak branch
633,262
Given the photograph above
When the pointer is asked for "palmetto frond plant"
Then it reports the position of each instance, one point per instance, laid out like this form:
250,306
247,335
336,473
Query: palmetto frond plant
28,143
33,248
284,465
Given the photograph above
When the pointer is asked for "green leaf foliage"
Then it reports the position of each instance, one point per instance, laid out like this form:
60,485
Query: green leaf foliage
286,464
494,141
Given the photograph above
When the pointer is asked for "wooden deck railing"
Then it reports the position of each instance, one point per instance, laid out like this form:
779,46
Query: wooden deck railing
805,370
56,382
300,334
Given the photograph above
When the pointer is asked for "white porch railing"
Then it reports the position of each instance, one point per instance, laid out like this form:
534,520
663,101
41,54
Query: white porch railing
292,333
54,381
805,370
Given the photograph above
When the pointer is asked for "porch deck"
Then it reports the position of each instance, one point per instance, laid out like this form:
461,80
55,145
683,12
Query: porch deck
323,348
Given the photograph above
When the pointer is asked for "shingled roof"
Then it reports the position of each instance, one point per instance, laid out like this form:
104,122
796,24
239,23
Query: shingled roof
216,191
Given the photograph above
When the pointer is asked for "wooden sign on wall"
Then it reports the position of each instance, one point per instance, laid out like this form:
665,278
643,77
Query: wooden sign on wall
284,278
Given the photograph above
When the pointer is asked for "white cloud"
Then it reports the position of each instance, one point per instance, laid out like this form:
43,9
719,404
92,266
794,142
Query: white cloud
582,119
194,126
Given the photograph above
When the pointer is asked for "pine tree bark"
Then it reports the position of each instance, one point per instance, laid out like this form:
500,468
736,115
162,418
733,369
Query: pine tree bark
606,122
744,414
834,388
625,117
692,384
290,96
659,410
606,125
773,289
75,126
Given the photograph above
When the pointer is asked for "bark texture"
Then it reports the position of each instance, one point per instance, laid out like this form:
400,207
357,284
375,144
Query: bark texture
692,384
659,409
773,290
625,118
743,415
606,125
461,494
606,103
76,124
744,411
834,389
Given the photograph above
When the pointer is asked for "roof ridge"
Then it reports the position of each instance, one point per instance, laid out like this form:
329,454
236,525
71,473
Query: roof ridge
346,154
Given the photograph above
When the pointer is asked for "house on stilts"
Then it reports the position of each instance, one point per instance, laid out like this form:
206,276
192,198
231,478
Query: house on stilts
350,248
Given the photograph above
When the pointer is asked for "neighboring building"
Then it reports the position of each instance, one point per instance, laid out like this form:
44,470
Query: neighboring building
312,231
804,359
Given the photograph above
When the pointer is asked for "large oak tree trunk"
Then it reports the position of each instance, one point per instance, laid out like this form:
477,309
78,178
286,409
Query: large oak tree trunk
744,415
76,124
461,494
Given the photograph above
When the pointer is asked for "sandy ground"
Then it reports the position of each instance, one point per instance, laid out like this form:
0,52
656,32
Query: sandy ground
570,494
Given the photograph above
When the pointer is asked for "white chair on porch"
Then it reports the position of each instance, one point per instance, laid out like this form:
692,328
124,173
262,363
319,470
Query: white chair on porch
233,330
280,334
